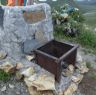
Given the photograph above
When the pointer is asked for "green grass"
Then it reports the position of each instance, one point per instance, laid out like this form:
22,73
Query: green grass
91,19
86,39
4,76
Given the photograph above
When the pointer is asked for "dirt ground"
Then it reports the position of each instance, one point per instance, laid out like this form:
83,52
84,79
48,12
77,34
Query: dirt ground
88,84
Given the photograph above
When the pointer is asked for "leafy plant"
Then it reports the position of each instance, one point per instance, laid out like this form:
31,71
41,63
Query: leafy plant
4,76
67,20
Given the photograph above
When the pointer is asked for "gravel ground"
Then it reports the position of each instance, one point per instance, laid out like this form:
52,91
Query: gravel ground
19,87
88,84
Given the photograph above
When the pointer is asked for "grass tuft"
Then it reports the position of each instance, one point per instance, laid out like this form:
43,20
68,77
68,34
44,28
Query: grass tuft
4,76
87,38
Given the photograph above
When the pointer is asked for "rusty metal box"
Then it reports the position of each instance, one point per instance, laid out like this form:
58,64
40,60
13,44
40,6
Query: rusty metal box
51,55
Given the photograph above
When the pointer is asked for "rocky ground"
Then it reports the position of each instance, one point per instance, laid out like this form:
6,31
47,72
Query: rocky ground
13,87
86,87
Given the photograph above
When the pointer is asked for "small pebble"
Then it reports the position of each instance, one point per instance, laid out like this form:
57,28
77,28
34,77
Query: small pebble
3,89
17,93
11,86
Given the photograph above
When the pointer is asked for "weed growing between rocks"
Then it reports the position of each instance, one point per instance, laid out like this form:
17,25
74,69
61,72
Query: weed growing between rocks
4,76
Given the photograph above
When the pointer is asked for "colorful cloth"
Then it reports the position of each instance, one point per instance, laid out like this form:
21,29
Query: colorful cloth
25,2
11,3
20,2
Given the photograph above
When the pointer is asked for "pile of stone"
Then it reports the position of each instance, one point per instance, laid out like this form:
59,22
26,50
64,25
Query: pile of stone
17,30
41,82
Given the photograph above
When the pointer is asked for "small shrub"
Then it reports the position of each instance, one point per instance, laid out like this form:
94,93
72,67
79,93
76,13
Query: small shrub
67,20
4,76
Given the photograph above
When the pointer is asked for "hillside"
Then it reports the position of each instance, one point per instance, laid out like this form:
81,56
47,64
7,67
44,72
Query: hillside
91,19
61,2
87,2
89,9
84,6
87,6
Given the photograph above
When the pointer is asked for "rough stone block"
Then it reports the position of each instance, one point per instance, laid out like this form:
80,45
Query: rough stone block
23,24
